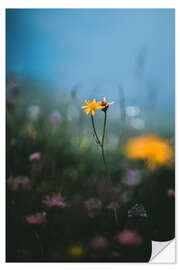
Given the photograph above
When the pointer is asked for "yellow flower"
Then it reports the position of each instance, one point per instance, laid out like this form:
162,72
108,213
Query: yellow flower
152,148
92,107
105,104
76,250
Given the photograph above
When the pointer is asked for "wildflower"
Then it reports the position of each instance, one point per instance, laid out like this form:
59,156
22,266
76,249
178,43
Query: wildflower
19,182
55,118
105,104
92,107
152,148
34,156
76,250
55,200
38,218
171,193
93,206
99,243
133,111
128,237
34,112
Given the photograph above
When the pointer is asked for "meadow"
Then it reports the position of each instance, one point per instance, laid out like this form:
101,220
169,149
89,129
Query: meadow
65,201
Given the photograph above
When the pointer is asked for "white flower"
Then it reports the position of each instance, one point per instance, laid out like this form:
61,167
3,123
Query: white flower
34,112
132,111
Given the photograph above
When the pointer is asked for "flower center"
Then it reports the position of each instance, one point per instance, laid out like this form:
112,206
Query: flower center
93,107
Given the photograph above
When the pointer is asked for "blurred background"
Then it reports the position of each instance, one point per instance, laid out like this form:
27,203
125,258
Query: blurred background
126,55
56,58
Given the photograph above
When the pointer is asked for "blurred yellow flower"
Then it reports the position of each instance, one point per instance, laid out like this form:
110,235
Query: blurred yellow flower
152,148
92,106
76,250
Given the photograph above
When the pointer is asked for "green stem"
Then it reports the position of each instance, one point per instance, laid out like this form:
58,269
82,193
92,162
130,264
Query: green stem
104,128
104,160
101,143
38,239
95,133
115,215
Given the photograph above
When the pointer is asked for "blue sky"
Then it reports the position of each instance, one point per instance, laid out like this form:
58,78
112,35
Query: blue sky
96,49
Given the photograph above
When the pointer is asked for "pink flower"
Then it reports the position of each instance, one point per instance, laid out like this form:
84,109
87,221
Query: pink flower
99,243
19,182
55,118
93,206
38,218
55,200
129,238
171,193
35,156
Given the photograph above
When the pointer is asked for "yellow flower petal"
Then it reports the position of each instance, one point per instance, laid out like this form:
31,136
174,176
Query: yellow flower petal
87,111
93,112
84,107
87,102
94,101
100,107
